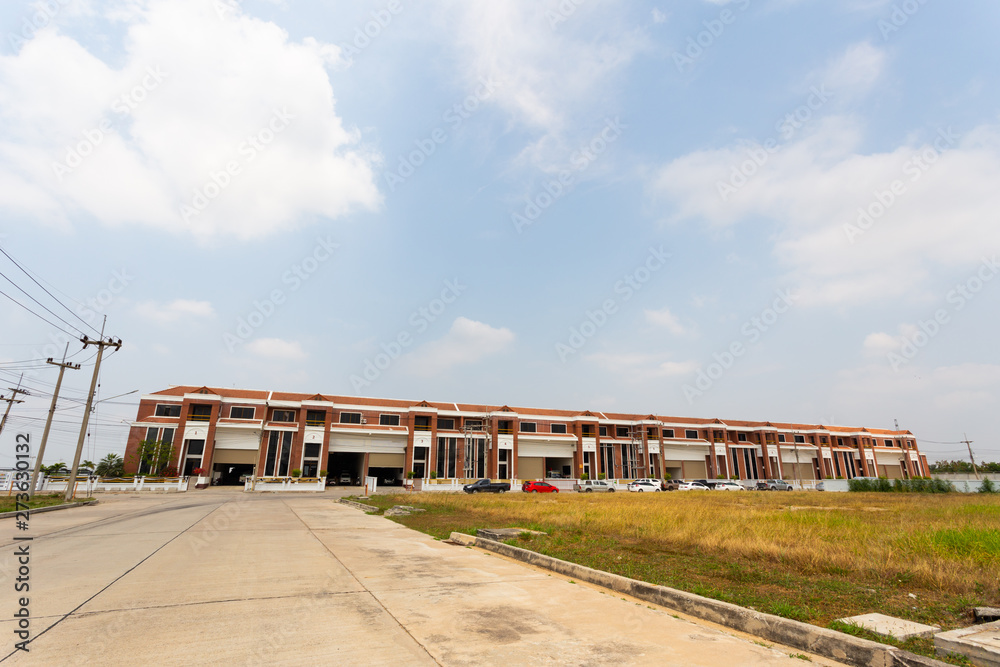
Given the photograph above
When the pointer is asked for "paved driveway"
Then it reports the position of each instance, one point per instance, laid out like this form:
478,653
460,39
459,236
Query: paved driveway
223,577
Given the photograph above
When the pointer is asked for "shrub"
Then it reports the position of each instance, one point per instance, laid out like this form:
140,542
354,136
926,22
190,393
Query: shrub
411,474
322,473
434,474
198,471
296,472
584,475
601,475
987,486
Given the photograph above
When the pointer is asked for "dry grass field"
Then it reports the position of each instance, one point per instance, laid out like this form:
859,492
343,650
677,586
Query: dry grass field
810,556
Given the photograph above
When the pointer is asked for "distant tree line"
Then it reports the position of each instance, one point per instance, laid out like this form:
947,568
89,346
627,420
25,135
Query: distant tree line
962,466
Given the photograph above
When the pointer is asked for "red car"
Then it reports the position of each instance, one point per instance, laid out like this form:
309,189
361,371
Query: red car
538,487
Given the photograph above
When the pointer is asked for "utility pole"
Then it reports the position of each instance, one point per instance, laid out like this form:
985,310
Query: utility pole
12,400
48,422
101,344
968,443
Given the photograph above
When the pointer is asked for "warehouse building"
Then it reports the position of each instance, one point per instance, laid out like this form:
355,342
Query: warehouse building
234,433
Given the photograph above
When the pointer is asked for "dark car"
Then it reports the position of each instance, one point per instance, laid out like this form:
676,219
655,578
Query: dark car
538,487
486,486
704,482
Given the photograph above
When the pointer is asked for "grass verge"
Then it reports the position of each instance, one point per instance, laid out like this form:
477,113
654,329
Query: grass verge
9,504
811,557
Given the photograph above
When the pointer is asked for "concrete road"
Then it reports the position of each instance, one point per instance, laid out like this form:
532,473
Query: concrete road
222,577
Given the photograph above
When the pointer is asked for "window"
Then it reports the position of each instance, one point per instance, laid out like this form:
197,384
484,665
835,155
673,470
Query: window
588,430
604,431
350,417
388,420
310,459
312,450
315,418
447,455
651,433
200,413
474,425
446,424
505,427
691,434
668,433
822,439
888,443
528,427
168,411
279,449
800,438
621,431
741,437
422,423
283,416
558,428
156,451
192,460
241,413
781,437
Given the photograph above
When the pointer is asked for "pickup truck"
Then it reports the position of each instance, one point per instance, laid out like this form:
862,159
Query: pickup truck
486,486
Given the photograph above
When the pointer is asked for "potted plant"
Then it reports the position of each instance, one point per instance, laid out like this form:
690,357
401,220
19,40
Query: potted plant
296,473
202,482
601,475
584,475
434,474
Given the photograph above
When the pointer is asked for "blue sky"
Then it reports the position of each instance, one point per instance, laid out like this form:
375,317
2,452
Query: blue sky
758,209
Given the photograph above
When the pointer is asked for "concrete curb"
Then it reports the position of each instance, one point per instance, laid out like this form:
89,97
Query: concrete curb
358,506
811,638
50,508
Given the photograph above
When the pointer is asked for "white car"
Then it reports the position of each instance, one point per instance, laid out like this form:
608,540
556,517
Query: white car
728,486
692,486
641,485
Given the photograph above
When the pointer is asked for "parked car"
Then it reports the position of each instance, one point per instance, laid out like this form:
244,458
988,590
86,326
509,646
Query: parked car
729,486
486,486
708,483
538,487
345,478
773,485
554,474
692,486
641,485
670,484
590,485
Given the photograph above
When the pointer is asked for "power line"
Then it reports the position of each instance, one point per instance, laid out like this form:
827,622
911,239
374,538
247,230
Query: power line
73,335
28,273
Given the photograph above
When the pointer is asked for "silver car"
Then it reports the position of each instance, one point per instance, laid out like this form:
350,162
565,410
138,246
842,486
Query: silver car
590,485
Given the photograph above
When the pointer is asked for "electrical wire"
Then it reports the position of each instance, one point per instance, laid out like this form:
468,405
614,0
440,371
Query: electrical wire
53,297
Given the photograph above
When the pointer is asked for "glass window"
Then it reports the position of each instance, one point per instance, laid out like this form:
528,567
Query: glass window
168,411
800,438
603,431
312,450
668,433
528,427
621,431
350,417
315,418
283,416
558,428
200,413
741,437
446,424
781,437
388,420
241,413
691,434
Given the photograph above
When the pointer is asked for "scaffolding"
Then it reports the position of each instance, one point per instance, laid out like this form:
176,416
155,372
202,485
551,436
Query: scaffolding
477,445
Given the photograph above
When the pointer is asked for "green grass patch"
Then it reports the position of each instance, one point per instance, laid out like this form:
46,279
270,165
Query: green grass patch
9,503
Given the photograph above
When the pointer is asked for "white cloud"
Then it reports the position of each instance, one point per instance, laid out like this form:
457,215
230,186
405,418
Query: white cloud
816,188
659,16
466,342
192,112
555,63
854,72
178,309
642,366
881,344
276,348
666,320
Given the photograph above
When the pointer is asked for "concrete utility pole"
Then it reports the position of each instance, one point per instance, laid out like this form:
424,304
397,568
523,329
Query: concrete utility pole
48,422
968,443
101,344
12,400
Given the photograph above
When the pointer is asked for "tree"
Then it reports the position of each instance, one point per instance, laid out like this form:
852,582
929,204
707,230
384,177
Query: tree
110,466
53,469
152,456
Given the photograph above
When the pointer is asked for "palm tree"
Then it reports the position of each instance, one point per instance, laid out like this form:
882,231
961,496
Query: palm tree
110,466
